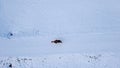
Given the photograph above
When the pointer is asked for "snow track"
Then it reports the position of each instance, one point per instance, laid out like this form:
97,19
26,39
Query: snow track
27,28
107,60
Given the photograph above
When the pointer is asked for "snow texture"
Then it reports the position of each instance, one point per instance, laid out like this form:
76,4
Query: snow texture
62,61
56,17
27,28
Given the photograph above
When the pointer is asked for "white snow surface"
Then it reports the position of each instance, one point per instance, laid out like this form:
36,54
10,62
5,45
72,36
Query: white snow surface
63,61
89,31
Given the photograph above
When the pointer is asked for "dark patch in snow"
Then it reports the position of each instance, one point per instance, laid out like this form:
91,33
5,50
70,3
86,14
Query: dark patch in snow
10,35
56,41
60,57
10,65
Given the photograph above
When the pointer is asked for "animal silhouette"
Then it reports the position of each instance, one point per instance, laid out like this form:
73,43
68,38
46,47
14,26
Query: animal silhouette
56,41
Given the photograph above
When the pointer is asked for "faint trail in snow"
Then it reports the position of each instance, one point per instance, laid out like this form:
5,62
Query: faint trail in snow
19,34
63,61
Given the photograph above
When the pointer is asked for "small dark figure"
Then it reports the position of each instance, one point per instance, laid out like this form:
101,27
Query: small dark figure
9,35
56,41
10,65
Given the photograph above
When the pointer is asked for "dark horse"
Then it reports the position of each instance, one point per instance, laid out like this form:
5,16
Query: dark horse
56,41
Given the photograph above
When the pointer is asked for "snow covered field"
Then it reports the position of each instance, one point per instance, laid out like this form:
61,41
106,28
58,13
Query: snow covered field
89,31
63,61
